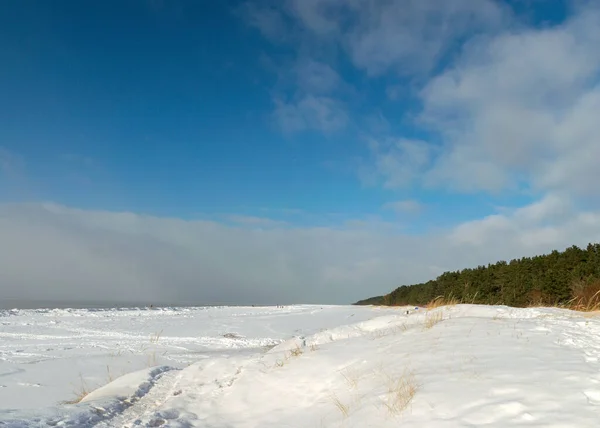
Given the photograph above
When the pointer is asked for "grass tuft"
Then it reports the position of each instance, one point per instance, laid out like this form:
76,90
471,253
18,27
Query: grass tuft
109,374
343,408
400,393
156,337
80,392
586,297
442,301
350,377
296,352
433,318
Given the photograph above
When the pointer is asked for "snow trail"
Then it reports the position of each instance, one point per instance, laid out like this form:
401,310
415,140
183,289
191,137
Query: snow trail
141,410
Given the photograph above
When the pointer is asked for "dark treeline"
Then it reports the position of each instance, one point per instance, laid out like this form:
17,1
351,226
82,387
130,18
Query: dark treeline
558,278
378,300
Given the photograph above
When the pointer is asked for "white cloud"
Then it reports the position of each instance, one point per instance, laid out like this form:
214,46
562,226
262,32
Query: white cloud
410,36
255,221
551,208
551,223
320,17
399,162
409,206
310,113
520,108
513,107
378,36
381,35
313,103
315,77
54,252
270,21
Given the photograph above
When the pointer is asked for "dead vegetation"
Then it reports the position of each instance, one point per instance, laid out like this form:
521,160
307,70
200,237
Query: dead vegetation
296,352
433,318
586,296
400,392
293,353
81,391
342,407
154,338
440,301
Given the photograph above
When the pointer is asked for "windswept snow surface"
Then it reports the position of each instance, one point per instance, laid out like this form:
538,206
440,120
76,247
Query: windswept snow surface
302,366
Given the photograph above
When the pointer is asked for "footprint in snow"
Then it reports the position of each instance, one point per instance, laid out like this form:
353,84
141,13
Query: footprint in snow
168,414
156,422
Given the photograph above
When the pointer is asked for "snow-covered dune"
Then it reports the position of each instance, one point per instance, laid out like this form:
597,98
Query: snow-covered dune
307,366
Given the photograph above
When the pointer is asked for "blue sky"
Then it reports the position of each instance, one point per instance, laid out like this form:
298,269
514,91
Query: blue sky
167,108
414,118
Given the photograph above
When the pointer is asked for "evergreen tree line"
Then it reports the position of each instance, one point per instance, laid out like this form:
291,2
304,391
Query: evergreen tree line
559,278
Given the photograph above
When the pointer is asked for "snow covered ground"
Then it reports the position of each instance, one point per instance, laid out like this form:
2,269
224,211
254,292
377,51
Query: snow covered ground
301,366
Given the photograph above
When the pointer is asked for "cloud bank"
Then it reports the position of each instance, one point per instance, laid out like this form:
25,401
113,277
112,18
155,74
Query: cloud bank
58,253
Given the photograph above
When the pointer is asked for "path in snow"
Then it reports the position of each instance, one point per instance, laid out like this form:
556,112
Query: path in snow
144,409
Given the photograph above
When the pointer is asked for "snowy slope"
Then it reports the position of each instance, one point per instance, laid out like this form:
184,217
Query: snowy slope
47,356
461,366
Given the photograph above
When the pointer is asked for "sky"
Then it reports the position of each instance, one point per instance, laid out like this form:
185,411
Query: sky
290,151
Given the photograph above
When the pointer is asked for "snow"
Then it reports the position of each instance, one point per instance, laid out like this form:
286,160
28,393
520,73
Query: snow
301,366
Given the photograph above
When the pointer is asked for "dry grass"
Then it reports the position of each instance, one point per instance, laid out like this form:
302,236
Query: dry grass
156,337
80,392
151,360
400,392
397,395
313,347
343,408
351,377
433,318
442,301
296,352
590,307
281,363
586,296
